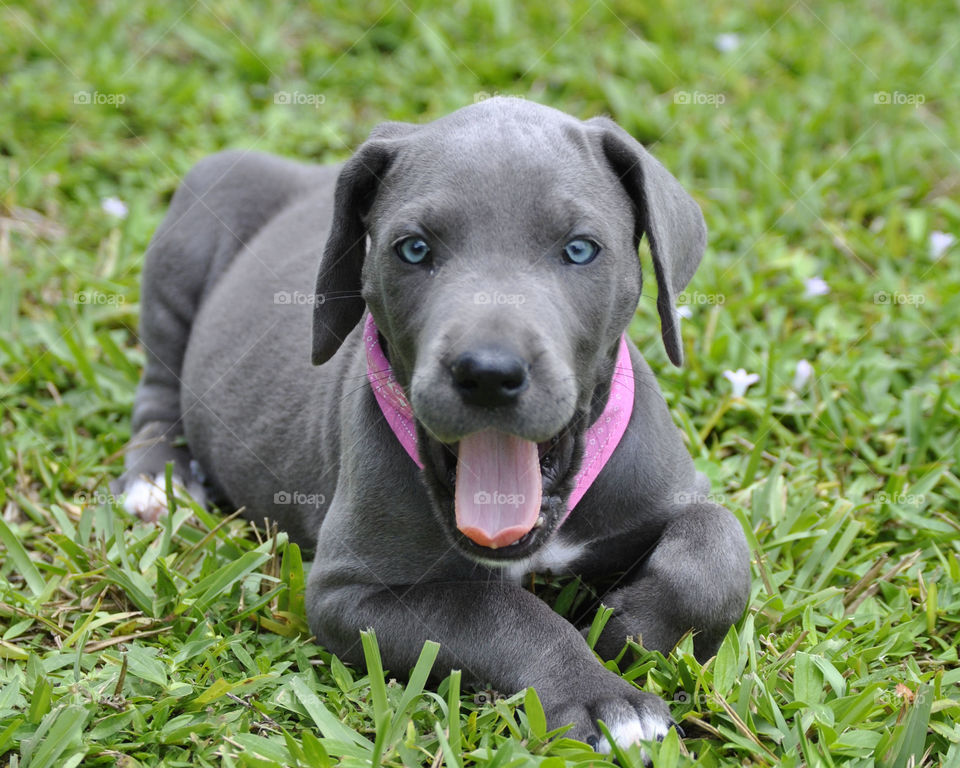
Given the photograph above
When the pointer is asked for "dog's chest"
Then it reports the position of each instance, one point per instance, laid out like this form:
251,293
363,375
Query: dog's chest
557,557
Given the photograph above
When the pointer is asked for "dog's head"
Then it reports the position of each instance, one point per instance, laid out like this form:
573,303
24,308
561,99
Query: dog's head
496,249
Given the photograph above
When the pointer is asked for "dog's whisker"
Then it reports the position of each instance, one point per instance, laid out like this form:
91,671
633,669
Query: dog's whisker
353,391
328,297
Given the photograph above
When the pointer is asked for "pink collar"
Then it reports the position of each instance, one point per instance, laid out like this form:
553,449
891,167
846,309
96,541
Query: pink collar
600,440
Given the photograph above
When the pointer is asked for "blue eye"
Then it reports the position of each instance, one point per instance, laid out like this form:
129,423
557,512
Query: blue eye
581,251
412,250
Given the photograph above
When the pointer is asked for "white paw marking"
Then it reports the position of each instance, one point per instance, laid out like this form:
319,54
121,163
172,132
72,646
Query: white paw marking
147,499
632,730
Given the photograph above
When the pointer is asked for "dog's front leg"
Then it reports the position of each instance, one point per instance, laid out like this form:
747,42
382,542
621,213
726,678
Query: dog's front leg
498,634
696,578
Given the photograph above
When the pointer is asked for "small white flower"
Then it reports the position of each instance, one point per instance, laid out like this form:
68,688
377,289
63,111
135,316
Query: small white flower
939,243
740,380
726,42
114,206
685,312
802,375
815,286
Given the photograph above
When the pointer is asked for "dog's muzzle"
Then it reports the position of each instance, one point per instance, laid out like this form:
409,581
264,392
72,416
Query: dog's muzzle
504,493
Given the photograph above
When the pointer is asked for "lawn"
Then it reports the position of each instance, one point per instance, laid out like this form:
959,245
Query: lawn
821,141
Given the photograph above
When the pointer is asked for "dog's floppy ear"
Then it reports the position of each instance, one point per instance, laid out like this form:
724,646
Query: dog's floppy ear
338,305
671,220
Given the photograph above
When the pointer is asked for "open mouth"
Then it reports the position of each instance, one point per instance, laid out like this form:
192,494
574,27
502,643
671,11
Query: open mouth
501,496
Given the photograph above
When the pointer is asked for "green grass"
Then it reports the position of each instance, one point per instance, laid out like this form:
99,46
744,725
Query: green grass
184,645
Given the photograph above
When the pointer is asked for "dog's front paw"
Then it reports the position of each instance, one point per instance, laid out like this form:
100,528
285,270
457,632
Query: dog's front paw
632,727
630,716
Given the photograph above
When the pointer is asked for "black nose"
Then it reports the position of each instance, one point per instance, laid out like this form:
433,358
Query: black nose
489,375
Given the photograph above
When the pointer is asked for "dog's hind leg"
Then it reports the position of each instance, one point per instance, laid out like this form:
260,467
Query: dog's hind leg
220,205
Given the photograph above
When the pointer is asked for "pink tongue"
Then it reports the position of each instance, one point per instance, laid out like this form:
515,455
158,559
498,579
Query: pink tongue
498,488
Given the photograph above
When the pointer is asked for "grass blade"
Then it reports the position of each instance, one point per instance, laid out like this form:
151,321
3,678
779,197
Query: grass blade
21,560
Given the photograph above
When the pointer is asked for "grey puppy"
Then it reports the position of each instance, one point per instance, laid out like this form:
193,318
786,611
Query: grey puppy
495,250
